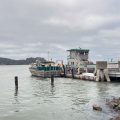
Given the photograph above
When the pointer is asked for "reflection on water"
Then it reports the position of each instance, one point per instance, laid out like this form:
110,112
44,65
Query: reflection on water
37,99
16,91
52,90
103,89
16,101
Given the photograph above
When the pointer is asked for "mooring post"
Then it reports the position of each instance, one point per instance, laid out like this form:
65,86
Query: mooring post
72,73
64,71
52,79
16,82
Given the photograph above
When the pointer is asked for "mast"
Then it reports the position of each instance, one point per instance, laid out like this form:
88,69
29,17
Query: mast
48,55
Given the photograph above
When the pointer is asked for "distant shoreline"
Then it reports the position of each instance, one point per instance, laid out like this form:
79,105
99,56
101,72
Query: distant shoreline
14,65
27,61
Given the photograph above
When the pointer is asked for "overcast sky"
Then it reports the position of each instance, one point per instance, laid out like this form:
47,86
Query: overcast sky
30,28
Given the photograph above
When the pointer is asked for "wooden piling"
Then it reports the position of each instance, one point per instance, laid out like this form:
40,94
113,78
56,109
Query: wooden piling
72,73
52,79
64,71
16,91
16,82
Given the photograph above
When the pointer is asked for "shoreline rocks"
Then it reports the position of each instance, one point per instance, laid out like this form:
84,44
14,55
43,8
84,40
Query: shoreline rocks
115,105
97,108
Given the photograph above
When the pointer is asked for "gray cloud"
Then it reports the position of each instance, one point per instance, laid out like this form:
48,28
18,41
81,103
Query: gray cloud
34,27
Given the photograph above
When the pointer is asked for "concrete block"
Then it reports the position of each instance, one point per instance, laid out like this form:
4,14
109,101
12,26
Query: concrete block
106,75
101,65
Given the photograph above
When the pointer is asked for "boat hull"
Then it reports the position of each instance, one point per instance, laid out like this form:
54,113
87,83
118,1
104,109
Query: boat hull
115,79
114,76
44,74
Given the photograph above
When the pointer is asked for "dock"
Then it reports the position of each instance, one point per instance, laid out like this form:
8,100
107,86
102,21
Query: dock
102,72
80,67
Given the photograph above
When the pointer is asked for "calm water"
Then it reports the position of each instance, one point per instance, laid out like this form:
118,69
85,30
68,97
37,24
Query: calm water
36,99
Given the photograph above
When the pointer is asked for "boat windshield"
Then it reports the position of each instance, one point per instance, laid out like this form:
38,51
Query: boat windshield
48,68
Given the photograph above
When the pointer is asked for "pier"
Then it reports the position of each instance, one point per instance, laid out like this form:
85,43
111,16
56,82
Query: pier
101,72
79,67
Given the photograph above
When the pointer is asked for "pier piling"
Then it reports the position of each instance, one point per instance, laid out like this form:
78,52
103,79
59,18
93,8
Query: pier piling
52,79
72,73
64,71
16,82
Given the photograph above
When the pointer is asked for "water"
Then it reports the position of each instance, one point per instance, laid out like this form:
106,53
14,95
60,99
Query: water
36,99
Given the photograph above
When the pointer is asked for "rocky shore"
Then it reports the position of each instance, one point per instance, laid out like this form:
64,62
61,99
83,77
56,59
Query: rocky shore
114,104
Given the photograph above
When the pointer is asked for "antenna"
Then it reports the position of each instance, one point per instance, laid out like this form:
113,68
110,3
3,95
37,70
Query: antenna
48,55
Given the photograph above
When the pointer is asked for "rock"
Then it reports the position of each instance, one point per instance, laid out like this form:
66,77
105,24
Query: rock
111,119
117,108
117,118
115,105
97,108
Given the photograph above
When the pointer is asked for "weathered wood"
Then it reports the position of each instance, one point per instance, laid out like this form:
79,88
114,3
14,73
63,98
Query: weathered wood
72,73
16,82
64,71
52,79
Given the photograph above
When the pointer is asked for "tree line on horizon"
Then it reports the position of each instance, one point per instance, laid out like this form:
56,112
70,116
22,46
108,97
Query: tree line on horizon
27,61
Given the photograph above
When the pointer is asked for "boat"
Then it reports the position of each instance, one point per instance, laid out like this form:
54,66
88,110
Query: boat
114,71
114,76
45,69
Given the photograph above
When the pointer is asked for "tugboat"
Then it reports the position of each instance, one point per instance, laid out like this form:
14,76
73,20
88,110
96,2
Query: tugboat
45,69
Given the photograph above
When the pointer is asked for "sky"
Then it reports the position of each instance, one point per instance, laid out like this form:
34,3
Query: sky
32,28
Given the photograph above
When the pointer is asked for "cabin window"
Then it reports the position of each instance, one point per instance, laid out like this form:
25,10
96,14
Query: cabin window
72,63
